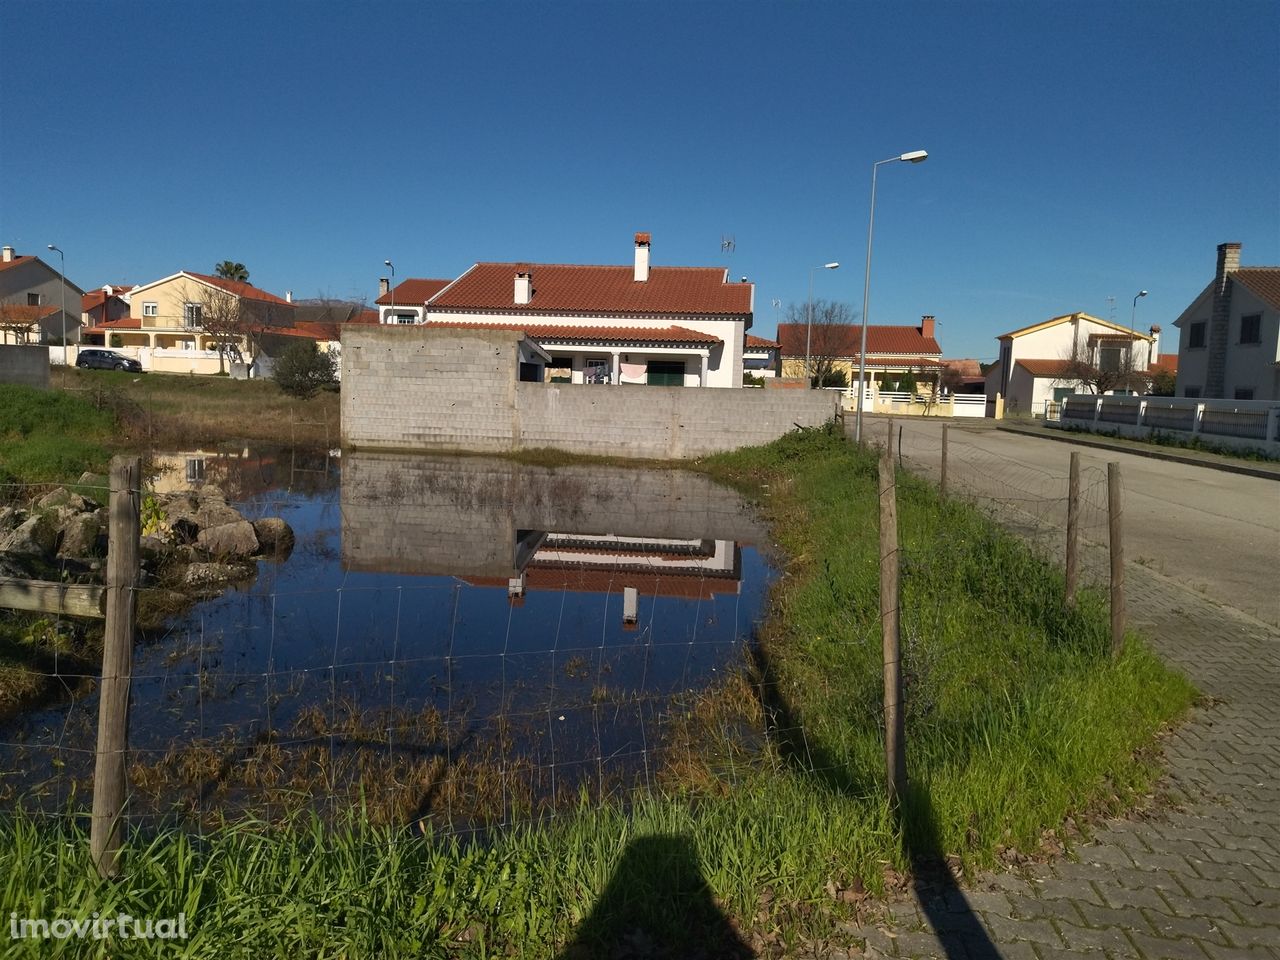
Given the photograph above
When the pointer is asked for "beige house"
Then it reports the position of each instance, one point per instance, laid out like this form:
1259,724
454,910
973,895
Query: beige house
193,323
1043,362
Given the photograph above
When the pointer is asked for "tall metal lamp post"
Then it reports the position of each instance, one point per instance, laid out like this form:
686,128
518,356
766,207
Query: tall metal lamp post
393,289
808,330
62,275
1133,337
915,156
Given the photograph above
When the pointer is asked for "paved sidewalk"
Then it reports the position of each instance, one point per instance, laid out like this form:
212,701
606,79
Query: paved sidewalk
1199,879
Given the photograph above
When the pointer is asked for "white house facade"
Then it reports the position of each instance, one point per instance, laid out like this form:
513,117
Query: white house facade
611,325
1229,337
1038,363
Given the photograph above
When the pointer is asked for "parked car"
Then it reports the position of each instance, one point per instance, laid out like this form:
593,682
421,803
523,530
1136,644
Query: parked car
107,360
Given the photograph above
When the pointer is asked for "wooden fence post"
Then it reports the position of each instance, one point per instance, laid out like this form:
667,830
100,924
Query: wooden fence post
888,440
1073,529
109,785
1115,513
942,483
895,757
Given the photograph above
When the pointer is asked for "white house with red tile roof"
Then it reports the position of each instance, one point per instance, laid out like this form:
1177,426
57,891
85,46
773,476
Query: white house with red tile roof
634,324
760,356
1036,362
33,296
892,349
1229,337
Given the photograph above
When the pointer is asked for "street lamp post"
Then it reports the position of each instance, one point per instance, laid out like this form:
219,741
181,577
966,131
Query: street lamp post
62,275
1133,337
808,330
393,288
915,156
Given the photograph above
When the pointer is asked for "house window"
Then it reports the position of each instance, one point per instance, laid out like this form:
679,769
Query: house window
596,371
33,299
150,309
191,315
1191,391
406,318
666,373
1251,330
1196,335
1244,393
195,469
1110,359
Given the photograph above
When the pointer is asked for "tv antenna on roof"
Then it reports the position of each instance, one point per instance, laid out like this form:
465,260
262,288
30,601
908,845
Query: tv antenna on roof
1111,305
727,244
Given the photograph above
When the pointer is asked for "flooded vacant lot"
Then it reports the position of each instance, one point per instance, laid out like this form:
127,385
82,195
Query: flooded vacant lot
459,640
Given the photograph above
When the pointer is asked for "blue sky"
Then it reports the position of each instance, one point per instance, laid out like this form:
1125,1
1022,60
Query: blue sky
1077,150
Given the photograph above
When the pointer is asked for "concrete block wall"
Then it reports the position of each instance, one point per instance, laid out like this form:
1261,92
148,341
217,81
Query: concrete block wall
460,516
414,388
27,365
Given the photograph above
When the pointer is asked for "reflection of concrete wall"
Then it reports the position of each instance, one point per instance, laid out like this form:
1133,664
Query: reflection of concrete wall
425,389
27,365
460,516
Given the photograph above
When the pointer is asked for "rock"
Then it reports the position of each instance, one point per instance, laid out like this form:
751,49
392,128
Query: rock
152,548
83,536
217,513
58,497
204,575
34,537
235,539
275,537
63,500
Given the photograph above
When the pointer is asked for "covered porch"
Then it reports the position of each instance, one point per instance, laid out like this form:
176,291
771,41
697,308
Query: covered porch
615,364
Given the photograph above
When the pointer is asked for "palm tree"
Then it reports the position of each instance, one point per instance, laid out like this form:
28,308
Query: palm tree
231,270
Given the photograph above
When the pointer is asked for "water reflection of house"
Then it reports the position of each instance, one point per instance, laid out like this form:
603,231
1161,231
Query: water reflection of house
653,566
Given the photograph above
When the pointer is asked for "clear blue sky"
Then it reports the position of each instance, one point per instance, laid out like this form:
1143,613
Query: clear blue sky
1077,150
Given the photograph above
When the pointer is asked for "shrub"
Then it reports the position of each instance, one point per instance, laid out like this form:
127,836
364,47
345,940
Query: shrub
832,378
303,369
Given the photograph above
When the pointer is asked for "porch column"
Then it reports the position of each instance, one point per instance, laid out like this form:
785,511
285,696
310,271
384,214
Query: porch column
615,369
704,358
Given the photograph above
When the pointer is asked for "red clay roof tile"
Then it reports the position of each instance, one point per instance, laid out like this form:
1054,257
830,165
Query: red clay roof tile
1263,282
413,292
244,290
543,331
845,340
569,288
760,343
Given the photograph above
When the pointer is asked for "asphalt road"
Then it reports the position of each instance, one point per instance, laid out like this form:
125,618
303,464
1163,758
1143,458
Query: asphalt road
1214,532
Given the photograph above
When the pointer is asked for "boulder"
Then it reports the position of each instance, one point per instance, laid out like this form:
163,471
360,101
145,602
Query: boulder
235,539
201,576
83,535
64,501
34,537
275,537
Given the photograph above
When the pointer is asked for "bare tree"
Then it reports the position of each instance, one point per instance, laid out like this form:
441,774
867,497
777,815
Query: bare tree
234,323
831,338
1103,365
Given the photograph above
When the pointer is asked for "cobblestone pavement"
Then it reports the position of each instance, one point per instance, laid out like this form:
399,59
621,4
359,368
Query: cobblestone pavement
1199,879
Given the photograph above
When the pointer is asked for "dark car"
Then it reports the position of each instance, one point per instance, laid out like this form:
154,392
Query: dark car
107,360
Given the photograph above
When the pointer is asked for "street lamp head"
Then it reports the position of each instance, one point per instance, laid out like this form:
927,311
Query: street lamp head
54,248
1142,293
831,266
915,156
387,262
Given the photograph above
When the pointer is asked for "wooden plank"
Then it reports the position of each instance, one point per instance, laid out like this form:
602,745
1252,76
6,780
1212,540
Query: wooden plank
1115,516
895,752
109,780
46,596
1073,527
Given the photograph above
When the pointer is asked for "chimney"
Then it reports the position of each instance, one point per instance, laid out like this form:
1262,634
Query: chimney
524,288
288,296
1153,355
8,254
1228,259
926,326
384,286
642,257
1219,321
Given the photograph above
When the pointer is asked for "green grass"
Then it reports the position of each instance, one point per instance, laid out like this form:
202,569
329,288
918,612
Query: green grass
1017,718
47,436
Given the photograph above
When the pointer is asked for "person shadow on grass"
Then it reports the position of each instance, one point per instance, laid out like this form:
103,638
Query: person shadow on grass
657,906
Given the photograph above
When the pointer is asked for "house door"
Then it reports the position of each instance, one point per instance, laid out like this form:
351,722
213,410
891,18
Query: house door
666,373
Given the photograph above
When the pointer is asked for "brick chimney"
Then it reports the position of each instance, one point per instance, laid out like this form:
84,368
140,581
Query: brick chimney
384,286
642,257
8,254
1219,320
523,288
926,326
1153,355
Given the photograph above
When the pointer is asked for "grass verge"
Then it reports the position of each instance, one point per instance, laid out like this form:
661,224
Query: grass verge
1017,719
